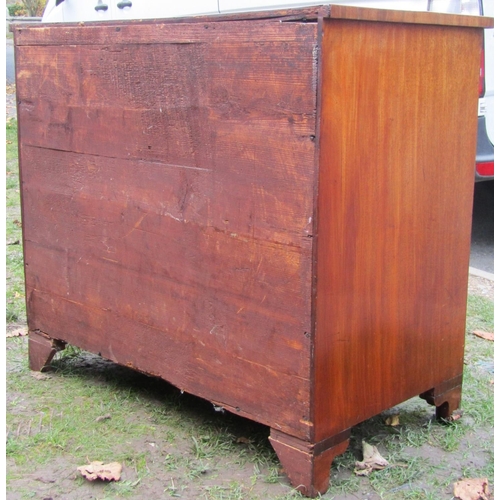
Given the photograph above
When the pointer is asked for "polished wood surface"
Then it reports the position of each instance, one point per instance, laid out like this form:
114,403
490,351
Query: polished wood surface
406,17
269,210
396,185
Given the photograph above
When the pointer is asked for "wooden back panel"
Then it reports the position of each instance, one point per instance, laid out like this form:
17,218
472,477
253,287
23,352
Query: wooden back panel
397,138
167,174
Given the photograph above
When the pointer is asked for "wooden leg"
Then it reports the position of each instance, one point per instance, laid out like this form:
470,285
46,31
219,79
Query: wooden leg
42,349
307,465
445,397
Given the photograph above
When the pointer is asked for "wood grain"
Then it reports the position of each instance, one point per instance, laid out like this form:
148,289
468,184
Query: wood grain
394,214
168,201
408,17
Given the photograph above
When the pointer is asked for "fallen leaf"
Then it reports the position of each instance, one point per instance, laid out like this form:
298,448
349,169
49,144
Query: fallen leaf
103,417
392,420
17,223
8,142
243,440
100,470
16,242
471,489
456,415
484,335
40,376
21,332
372,460
361,472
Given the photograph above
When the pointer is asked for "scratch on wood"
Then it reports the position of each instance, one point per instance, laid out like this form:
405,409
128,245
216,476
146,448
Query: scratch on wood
270,370
134,160
136,225
168,214
172,165
110,260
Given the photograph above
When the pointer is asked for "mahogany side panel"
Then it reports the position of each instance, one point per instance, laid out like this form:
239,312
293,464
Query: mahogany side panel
168,203
398,117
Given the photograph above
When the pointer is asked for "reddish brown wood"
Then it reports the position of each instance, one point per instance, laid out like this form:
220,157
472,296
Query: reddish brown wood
445,397
166,202
256,209
42,350
407,17
308,465
393,201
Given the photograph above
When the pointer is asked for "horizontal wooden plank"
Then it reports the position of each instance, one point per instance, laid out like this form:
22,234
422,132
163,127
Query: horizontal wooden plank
128,102
165,31
243,203
215,317
191,365
224,147
259,273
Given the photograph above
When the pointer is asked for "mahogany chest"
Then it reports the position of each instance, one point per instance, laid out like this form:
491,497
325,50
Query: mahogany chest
271,211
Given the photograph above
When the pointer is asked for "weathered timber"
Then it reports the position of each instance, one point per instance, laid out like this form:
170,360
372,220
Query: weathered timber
42,350
269,210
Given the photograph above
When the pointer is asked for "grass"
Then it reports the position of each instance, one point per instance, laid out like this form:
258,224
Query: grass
173,445
15,311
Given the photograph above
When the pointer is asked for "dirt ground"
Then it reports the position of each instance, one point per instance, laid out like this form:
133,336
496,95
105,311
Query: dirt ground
481,286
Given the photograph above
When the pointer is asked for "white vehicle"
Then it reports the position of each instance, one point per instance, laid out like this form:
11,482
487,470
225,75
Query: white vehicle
484,153
106,10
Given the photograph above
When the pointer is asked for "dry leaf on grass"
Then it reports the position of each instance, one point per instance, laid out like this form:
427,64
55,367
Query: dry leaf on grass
484,335
20,332
100,470
456,415
243,440
103,417
471,489
372,460
392,420
39,376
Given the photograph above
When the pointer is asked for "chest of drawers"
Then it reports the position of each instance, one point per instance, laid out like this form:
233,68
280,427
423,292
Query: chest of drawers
271,211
